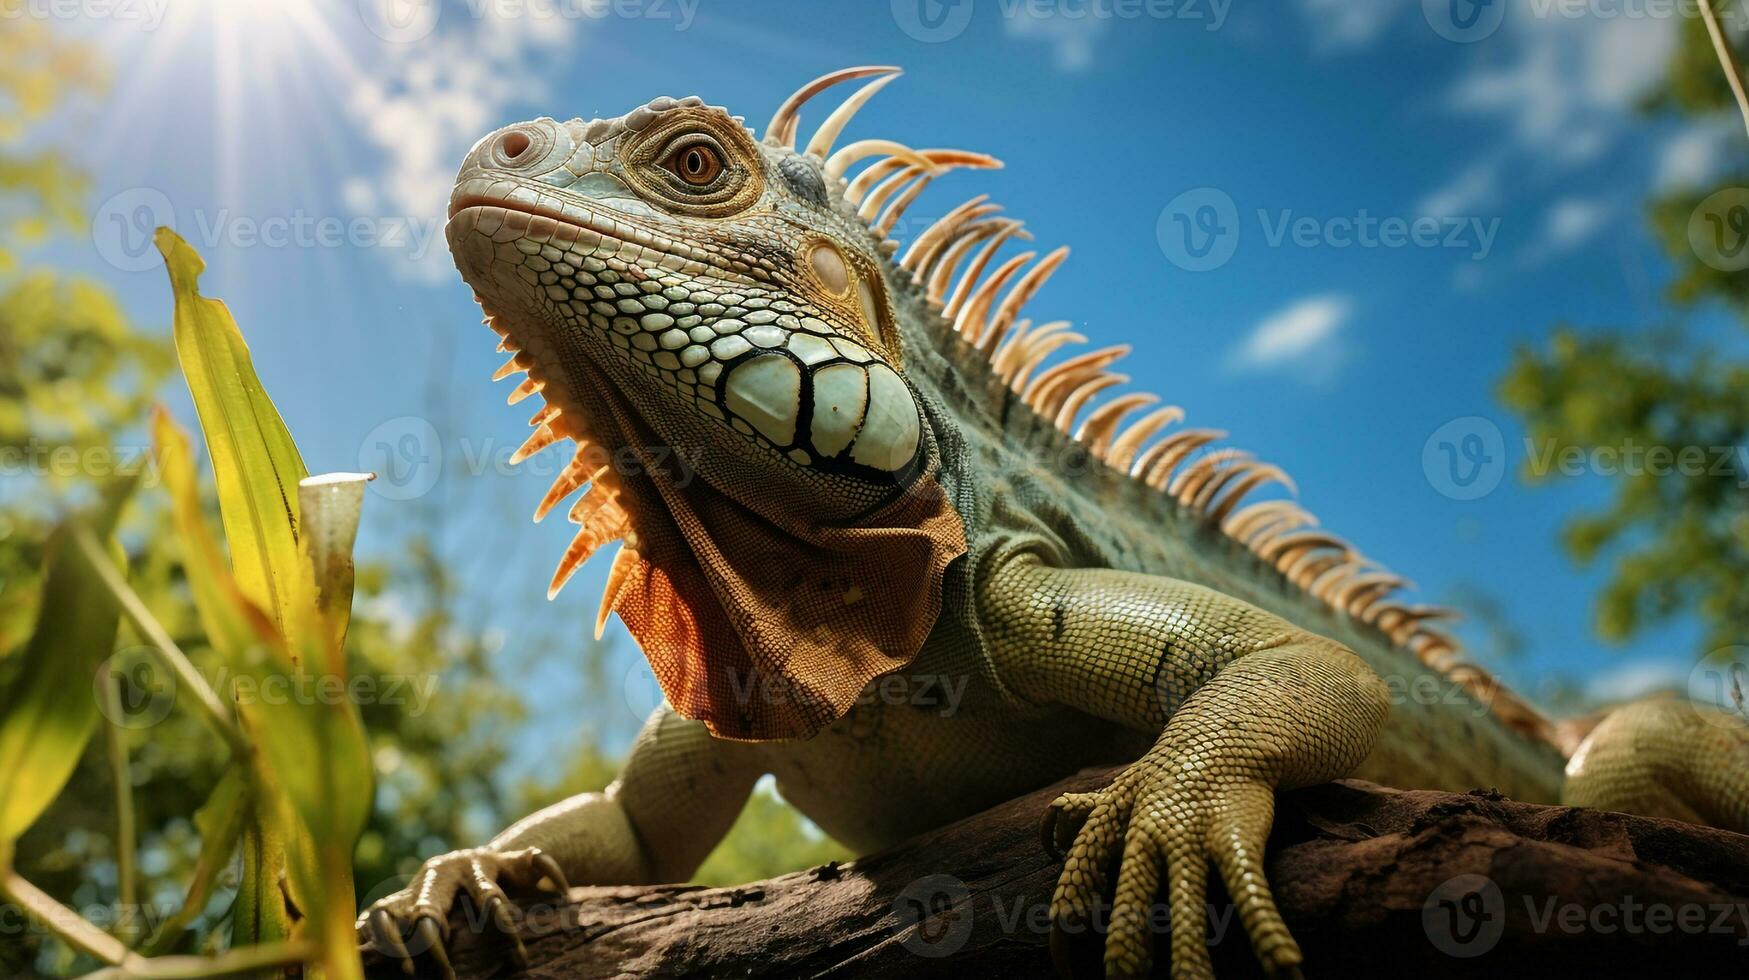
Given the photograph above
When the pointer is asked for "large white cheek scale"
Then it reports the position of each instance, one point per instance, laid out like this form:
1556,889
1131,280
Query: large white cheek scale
889,435
840,400
766,392
867,409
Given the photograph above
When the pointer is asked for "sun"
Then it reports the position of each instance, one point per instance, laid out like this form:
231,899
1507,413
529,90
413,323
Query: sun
267,73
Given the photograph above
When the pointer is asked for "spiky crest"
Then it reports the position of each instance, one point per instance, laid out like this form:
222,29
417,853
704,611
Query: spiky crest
981,308
982,311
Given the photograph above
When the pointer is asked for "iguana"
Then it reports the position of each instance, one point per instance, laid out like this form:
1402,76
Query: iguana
892,478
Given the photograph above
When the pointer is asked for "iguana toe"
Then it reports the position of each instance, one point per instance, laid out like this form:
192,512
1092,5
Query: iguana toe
414,922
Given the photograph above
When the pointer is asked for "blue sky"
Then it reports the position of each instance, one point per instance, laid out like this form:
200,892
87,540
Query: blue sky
307,156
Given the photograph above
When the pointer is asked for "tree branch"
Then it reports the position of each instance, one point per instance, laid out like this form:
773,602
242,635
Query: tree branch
1359,871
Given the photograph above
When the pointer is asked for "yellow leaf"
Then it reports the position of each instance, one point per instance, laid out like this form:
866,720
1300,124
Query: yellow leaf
255,463
234,625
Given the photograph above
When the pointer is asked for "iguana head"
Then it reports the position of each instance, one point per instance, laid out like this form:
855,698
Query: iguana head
709,320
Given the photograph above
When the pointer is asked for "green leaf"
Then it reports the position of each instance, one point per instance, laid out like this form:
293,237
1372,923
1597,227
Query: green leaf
50,710
255,462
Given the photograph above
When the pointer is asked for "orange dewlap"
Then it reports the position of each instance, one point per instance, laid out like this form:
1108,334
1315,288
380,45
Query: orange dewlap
768,632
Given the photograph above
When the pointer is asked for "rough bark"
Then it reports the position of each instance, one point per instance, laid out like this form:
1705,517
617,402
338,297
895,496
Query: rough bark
1364,875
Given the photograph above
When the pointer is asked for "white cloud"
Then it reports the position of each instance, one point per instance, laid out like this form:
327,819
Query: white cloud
1693,155
1566,224
426,102
1303,336
1569,82
1564,91
1636,679
1571,221
1348,25
1071,38
1475,187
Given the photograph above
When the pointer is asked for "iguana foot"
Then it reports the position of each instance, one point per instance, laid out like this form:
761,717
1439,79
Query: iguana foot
1298,713
415,920
1168,816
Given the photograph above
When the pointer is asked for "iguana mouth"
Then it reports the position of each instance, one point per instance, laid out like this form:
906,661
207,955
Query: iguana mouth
574,225
572,407
503,212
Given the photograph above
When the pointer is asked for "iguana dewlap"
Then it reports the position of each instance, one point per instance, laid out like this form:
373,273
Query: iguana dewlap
921,560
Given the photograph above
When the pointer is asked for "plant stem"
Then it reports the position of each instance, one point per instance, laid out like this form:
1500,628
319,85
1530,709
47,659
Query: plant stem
249,959
126,891
187,677
1727,59
60,920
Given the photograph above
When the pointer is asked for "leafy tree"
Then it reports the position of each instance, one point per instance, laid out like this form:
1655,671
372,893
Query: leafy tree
77,379
1677,528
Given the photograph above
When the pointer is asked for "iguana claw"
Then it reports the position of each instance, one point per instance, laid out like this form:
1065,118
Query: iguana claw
414,921
1170,818
1056,832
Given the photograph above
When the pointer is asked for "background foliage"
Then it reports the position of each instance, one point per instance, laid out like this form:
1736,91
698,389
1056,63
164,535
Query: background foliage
77,381
1678,543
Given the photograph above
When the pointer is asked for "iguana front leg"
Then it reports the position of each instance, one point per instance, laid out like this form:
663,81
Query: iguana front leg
679,793
1244,702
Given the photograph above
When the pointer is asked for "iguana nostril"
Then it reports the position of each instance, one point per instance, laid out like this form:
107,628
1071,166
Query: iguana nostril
513,145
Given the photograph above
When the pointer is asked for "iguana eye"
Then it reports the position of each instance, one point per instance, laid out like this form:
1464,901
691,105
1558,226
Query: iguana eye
693,161
697,164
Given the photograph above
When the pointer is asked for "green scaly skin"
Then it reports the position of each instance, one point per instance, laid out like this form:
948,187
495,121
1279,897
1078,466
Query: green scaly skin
1093,619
